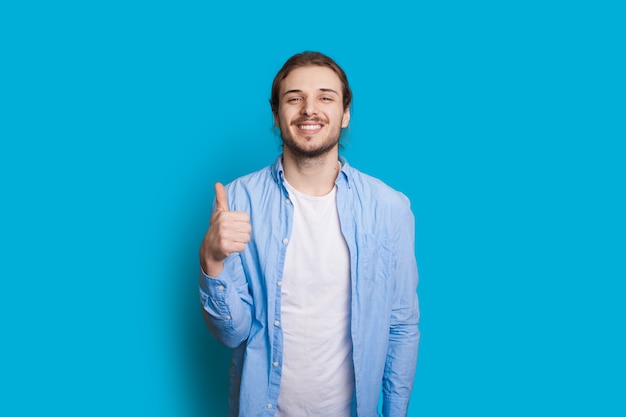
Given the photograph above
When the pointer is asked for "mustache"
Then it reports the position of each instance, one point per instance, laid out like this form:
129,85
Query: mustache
301,120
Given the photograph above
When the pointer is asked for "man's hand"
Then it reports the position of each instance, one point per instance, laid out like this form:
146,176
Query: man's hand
229,232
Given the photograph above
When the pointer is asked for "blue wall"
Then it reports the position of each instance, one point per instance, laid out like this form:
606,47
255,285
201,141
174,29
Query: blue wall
504,124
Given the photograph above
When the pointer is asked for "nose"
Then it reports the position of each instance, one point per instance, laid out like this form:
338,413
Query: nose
308,107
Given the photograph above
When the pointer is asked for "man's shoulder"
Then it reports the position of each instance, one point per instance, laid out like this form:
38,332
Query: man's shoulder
253,178
376,189
265,175
249,189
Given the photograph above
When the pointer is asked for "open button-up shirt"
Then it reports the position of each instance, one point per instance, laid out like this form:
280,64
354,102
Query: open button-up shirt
242,306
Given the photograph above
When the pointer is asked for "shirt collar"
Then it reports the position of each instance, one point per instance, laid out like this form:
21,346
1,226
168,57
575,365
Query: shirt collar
344,175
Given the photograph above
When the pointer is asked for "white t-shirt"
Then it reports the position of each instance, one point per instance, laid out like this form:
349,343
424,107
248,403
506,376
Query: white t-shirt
317,369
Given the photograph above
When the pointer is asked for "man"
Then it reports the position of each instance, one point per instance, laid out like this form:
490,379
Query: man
308,267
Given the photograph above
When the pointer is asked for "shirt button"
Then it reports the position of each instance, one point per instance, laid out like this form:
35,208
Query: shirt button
285,241
276,323
228,317
288,201
275,364
220,287
279,283
269,406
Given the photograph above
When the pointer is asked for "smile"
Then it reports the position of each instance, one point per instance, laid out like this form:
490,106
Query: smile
309,127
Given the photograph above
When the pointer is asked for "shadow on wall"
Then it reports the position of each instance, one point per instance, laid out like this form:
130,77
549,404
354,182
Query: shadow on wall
207,369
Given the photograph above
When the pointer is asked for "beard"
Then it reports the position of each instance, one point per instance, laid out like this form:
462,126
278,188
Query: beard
308,152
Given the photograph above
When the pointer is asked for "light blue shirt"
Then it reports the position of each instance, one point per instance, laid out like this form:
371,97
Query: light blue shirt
242,306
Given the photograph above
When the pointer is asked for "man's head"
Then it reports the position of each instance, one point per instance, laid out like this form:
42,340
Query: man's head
306,59
311,103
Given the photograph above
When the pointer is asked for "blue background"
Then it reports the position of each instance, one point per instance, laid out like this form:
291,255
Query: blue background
502,121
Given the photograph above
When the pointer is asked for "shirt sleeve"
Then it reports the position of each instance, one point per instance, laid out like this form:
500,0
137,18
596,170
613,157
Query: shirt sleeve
404,334
227,303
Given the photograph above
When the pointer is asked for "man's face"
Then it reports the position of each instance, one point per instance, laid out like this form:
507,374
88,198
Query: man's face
310,111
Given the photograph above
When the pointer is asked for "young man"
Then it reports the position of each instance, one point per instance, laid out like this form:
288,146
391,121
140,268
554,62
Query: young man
308,268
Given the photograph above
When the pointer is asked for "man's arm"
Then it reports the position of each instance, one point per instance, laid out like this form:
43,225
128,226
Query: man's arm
224,294
404,335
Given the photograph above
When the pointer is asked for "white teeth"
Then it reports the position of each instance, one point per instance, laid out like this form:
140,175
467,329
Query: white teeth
310,127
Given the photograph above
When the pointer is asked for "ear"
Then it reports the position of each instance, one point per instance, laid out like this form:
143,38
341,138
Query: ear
345,121
276,121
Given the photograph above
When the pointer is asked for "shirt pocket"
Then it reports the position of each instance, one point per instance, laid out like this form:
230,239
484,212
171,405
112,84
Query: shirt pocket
374,261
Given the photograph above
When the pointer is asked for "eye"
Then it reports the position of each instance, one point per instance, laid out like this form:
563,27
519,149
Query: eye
327,98
293,99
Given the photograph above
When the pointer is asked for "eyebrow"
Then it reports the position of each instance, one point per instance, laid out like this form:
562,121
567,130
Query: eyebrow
325,90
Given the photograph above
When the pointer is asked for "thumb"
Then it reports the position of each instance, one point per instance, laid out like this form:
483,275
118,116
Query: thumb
221,201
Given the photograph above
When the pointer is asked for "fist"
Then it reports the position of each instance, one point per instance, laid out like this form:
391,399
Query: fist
228,232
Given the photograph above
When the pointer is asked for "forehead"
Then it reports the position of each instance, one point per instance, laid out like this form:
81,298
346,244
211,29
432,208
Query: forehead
311,78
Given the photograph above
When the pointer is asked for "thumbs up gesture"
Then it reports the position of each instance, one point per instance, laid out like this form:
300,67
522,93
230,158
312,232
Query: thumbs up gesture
229,232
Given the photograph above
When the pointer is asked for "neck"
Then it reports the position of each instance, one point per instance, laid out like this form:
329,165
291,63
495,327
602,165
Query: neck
312,176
